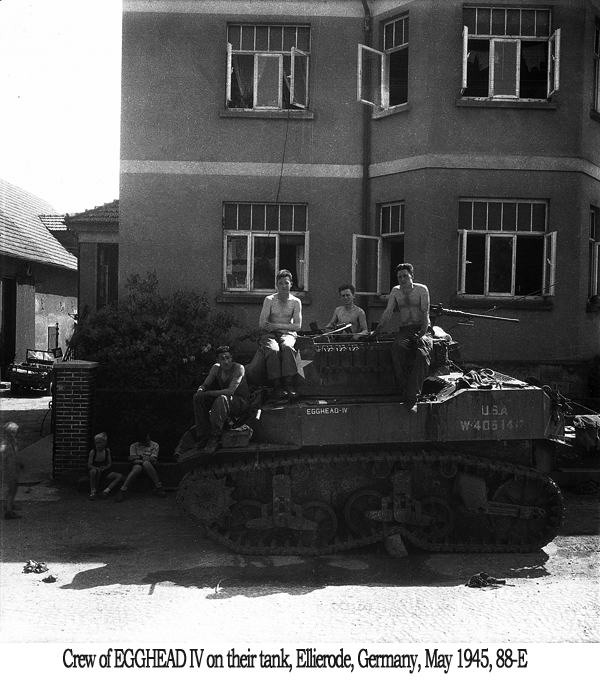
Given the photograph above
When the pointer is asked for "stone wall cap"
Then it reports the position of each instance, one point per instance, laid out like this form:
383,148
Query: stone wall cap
75,364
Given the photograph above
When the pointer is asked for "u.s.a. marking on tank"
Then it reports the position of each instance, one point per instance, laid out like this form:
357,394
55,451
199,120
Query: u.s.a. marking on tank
332,410
487,410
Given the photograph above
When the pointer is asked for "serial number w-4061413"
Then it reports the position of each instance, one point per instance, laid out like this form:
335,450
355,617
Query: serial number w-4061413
492,425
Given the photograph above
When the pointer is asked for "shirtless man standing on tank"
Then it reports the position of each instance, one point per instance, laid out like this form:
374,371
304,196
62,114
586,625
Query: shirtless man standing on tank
411,349
280,318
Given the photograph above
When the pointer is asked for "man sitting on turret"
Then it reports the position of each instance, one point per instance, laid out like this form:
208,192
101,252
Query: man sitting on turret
412,347
280,318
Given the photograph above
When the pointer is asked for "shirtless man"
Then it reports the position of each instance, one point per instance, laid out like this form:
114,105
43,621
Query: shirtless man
348,313
411,349
280,318
223,394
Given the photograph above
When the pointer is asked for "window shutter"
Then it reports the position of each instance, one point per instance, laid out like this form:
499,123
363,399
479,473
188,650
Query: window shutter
366,261
299,78
371,67
465,58
554,63
549,264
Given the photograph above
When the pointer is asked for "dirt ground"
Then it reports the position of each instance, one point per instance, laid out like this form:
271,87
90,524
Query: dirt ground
31,413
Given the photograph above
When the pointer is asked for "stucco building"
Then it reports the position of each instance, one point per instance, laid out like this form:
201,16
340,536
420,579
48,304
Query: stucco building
338,138
97,234
39,276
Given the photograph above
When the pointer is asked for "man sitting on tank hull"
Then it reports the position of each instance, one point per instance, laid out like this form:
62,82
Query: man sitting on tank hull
223,395
412,347
280,318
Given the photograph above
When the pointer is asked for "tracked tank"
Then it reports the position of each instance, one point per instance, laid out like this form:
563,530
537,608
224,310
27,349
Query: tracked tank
346,465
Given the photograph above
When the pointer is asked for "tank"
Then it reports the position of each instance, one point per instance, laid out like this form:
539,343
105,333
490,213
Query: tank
346,465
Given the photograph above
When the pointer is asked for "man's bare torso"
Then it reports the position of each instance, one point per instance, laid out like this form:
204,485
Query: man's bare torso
411,305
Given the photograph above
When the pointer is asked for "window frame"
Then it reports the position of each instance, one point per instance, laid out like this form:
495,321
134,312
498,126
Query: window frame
596,92
547,259
294,53
356,261
382,88
552,58
594,252
251,235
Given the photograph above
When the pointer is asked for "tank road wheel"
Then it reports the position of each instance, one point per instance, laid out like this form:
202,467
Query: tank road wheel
241,513
536,528
442,523
326,521
356,508
203,499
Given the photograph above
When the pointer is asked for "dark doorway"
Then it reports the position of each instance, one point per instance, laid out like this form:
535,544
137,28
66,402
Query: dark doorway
8,321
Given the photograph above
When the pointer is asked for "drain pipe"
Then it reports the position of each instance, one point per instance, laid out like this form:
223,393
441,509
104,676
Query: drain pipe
366,136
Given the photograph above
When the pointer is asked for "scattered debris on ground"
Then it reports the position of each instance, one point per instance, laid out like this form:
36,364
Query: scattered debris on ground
36,567
483,579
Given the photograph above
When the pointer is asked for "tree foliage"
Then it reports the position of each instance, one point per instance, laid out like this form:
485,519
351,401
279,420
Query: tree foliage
149,340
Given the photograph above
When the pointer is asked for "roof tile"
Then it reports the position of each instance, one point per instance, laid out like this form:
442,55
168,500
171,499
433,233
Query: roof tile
22,232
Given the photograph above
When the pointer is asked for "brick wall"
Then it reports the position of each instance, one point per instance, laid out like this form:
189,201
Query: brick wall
73,398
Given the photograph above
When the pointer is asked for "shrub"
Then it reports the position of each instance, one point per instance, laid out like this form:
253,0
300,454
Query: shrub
153,341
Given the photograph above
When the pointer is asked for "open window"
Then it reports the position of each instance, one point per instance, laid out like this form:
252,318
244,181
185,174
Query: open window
504,249
267,67
260,238
370,76
509,54
299,79
549,264
366,260
594,285
382,78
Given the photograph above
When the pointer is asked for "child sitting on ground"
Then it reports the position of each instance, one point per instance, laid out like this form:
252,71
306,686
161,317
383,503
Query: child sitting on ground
99,464
143,455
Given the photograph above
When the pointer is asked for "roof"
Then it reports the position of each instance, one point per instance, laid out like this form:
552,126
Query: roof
22,232
103,214
54,223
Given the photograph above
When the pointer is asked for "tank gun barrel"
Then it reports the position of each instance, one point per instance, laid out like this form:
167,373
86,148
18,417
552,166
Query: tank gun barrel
439,310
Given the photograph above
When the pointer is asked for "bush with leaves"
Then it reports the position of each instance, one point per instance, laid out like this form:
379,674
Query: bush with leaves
152,341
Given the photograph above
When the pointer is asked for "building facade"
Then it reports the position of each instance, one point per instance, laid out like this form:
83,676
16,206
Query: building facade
97,234
338,138
38,291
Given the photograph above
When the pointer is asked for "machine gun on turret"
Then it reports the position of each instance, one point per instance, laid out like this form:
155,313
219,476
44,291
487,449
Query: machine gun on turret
437,310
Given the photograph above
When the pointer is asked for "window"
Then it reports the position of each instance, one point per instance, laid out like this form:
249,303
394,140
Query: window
391,230
383,75
107,277
594,288
374,258
261,238
267,66
504,249
596,104
509,53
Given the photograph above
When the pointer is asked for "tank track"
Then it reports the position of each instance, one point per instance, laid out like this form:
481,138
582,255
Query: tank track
440,501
